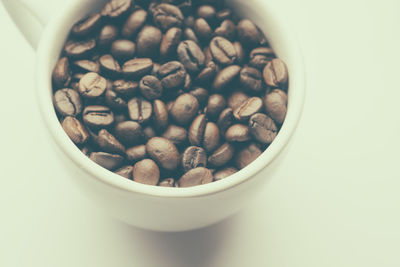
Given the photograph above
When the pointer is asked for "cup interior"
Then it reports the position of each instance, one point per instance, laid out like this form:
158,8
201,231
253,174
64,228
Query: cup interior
281,39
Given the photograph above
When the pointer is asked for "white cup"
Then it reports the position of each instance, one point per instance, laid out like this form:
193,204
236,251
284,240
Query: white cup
151,207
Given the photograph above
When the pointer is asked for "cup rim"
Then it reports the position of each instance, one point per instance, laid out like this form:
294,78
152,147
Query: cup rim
44,97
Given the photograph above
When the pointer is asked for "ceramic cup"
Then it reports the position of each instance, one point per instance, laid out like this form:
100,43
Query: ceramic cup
151,207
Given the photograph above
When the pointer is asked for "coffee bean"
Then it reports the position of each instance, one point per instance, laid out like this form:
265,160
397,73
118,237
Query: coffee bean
107,35
61,73
225,77
114,100
196,130
146,172
166,16
134,23
248,108
107,160
237,133
193,157
92,85
207,54
160,111
136,68
222,155
224,173
125,172
139,110
207,74
239,52
201,94
207,12
225,120
148,42
170,42
263,128
189,34
150,87
227,29
125,88
87,25
202,29
216,103
85,66
251,79
109,66
184,109
176,134
197,176
188,83
191,56
248,33
275,73
129,133
123,49
188,21
75,130
169,182
79,49
67,102
223,51
163,152
236,99
136,153
211,137
148,133
247,155
276,105
108,143
116,8
260,56
172,75
98,117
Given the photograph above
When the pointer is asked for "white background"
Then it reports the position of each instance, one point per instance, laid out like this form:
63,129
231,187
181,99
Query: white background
334,202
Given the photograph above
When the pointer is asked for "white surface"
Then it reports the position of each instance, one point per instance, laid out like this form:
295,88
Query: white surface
335,201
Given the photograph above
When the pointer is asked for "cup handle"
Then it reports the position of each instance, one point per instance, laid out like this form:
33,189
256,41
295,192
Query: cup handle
30,16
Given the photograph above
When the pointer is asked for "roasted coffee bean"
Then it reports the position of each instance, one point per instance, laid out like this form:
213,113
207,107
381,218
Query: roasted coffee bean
108,143
164,152
98,117
236,99
148,133
224,173
107,160
139,110
239,52
188,83
160,111
188,21
146,172
109,66
170,42
136,153
136,68
251,79
207,12
197,176
227,29
222,155
125,88
134,23
207,54
169,182
247,155
276,105
225,77
216,103
193,157
148,42
92,85
211,137
248,108
123,49
125,172
156,67
275,73
223,51
85,66
176,134
77,77
189,34
114,100
166,16
201,94
260,56
67,102
61,73
262,128
75,130
87,25
191,56
172,75
248,33
116,8
129,133
107,35
202,29
225,120
237,133
150,87
196,130
79,49
207,74
184,109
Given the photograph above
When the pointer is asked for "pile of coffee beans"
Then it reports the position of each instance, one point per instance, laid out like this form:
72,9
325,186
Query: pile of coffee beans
174,93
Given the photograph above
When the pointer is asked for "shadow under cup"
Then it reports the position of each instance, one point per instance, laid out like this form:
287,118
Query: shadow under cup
158,208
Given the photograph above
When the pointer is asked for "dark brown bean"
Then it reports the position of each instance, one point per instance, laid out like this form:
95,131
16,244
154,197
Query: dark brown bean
211,137
262,128
236,99
125,172
189,34
160,111
109,66
225,77
196,130
176,134
116,8
227,29
184,109
207,12
251,79
136,68
129,133
275,73
163,152
202,29
123,49
139,110
247,155
207,74
98,117
224,173
87,25
125,88
223,51
79,49
276,105
237,133
225,120
113,100
170,42
61,73
108,143
239,52
172,75
222,155
248,108
248,33
107,35
216,103
92,85
167,16
67,102
136,153
191,56
134,23
260,56
201,94
75,130
150,87
197,176
148,42
193,157
146,172
107,160
85,66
